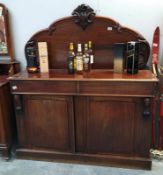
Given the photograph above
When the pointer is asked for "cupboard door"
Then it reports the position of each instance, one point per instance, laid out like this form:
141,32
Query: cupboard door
47,123
2,138
109,125
6,116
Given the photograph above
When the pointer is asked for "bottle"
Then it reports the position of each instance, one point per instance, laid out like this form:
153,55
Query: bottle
86,59
90,52
31,57
132,57
75,64
79,59
70,59
32,65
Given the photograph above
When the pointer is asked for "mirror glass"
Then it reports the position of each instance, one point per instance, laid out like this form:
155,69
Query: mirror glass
3,32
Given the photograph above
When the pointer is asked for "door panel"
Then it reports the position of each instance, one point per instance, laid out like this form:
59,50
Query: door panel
48,122
107,124
2,138
110,125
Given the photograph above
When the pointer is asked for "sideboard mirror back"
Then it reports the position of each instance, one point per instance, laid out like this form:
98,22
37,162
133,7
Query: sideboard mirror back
82,27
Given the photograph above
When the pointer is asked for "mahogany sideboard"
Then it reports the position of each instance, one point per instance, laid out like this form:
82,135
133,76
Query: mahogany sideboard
6,117
100,117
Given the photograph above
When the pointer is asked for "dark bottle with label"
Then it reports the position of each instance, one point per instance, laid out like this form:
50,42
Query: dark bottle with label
86,59
79,60
70,59
90,52
31,57
132,57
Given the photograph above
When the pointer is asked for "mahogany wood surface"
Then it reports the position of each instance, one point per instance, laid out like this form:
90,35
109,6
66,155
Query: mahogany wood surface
55,129
110,125
9,67
62,32
3,80
6,118
97,82
99,116
95,159
94,75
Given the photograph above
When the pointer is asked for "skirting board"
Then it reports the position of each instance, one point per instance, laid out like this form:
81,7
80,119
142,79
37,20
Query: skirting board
106,160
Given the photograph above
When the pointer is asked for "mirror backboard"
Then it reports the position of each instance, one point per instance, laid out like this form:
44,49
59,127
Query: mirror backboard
5,37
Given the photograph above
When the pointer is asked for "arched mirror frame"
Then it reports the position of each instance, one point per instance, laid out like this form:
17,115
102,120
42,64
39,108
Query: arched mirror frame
83,26
6,48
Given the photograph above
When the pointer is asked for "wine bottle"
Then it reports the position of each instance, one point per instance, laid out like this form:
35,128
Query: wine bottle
86,59
132,57
79,59
31,57
75,64
70,59
90,52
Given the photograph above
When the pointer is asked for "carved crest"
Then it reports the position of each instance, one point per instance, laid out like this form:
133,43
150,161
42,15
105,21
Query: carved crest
83,15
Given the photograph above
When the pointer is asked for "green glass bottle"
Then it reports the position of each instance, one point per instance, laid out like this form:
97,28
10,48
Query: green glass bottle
70,59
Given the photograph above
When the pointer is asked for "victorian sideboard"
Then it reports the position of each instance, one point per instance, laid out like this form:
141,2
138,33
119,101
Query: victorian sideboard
97,117
102,117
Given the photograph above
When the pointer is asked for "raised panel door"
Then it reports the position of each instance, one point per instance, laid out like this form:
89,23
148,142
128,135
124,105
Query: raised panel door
111,125
47,123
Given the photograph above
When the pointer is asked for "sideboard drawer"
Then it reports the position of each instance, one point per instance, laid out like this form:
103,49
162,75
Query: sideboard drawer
117,88
109,88
60,87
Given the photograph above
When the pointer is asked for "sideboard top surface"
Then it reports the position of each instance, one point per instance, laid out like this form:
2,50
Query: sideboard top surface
94,75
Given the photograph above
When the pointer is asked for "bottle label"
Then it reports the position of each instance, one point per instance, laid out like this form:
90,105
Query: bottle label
79,64
86,63
91,59
86,60
70,65
75,64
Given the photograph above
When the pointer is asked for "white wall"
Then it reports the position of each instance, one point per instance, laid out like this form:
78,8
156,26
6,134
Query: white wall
29,16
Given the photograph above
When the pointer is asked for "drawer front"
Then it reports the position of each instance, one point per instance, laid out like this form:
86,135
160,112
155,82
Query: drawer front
117,88
84,88
62,87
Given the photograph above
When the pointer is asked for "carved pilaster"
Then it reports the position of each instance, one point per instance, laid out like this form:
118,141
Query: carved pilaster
146,112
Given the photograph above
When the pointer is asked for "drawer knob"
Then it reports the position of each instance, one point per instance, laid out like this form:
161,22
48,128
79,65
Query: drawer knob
14,87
